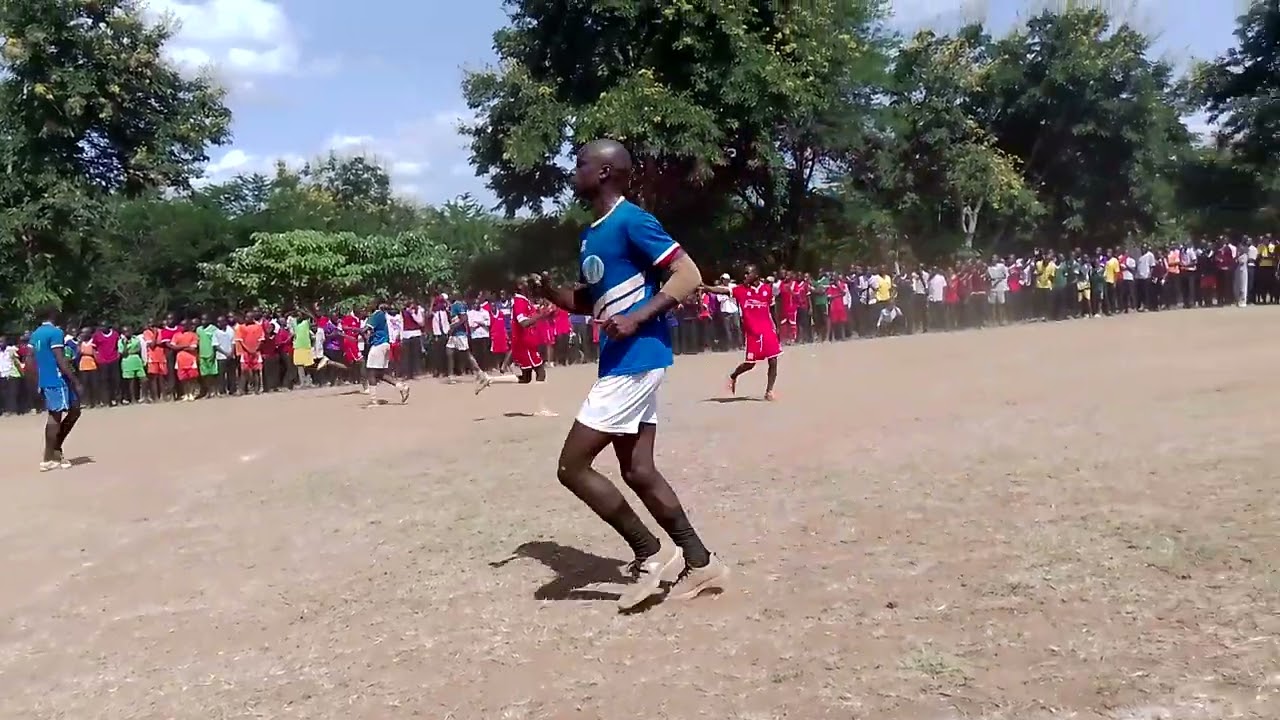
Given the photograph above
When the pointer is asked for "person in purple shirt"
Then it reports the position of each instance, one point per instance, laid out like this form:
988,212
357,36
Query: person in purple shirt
106,344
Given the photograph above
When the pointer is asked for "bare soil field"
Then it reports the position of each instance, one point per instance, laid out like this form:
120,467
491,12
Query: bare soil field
1072,520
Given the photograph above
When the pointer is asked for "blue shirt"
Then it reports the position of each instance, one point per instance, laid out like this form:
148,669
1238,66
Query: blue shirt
378,323
456,310
46,343
622,258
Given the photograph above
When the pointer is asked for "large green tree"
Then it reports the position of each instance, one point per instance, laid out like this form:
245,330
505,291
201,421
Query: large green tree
88,108
1093,120
1241,88
738,105
940,170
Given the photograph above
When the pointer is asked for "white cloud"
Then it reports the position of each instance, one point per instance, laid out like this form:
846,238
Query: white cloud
407,168
340,143
410,153
232,161
1201,129
242,38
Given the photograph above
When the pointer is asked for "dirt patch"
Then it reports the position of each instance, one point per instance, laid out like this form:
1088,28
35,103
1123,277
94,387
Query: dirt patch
1069,520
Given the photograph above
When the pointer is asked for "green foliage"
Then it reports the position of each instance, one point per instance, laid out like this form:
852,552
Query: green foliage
1241,88
743,101
87,108
300,267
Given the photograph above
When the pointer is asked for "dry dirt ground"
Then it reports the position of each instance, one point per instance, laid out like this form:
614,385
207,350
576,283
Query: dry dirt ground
1071,520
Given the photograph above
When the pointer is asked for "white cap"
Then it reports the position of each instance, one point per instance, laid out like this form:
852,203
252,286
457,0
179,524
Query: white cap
725,276
771,279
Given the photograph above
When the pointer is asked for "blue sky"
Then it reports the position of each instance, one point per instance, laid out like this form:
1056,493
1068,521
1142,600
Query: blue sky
381,77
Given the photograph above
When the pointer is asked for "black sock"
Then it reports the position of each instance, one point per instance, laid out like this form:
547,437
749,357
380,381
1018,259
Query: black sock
677,525
632,529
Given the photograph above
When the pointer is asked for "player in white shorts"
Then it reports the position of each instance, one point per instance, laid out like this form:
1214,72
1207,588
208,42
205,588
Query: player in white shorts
623,256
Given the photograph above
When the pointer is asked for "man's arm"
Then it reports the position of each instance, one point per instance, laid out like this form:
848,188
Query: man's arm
573,298
64,366
683,279
718,289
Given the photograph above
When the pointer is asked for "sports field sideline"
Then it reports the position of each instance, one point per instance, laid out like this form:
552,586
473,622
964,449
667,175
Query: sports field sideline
1074,520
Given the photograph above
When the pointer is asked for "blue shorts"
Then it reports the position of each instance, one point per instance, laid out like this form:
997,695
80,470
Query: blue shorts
59,399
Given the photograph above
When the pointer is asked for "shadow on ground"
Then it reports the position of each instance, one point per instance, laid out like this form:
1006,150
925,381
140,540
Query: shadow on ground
574,569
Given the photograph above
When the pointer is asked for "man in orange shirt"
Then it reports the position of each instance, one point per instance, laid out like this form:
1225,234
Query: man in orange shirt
186,358
249,335
157,363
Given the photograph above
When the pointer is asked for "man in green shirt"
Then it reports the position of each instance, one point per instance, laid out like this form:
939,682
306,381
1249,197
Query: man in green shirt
207,356
819,301
133,368
300,326
1061,284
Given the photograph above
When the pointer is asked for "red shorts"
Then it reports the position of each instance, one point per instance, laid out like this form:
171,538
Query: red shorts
525,358
188,373
251,361
395,352
839,313
499,345
762,347
790,317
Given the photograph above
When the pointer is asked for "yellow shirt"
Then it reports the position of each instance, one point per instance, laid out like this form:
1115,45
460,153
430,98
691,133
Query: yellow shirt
1111,270
1044,274
1266,255
885,291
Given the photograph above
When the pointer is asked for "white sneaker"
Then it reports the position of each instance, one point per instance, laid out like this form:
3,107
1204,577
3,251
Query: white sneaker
649,574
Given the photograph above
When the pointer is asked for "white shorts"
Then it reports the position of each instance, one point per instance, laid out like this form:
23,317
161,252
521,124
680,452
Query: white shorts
379,357
619,404
996,297
458,342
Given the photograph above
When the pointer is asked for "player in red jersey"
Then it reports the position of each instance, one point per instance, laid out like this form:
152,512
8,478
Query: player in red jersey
755,298
526,336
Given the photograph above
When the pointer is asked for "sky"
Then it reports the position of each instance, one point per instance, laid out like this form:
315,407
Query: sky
305,77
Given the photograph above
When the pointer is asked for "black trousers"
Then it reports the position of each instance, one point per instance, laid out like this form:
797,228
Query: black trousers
10,391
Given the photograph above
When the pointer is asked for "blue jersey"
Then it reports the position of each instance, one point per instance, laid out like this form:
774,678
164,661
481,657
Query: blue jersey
623,256
378,323
46,343
458,310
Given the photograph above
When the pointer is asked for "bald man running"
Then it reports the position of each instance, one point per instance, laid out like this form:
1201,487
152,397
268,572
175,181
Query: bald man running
624,255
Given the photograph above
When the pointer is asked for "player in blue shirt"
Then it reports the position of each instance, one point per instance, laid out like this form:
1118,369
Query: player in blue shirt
58,386
632,274
378,356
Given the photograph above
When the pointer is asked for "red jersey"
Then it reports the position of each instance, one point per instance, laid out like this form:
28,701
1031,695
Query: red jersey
563,327
755,303
787,296
800,292
524,338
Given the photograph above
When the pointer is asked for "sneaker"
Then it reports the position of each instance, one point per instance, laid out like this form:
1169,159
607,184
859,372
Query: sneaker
648,575
404,392
48,465
63,462
483,381
693,581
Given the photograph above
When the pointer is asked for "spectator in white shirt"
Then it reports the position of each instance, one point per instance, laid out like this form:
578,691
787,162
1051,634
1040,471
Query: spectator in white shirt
998,273
439,336
935,315
478,319
730,323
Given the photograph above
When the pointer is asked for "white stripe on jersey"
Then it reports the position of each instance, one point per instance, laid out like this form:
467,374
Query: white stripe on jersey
666,254
623,304
617,292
